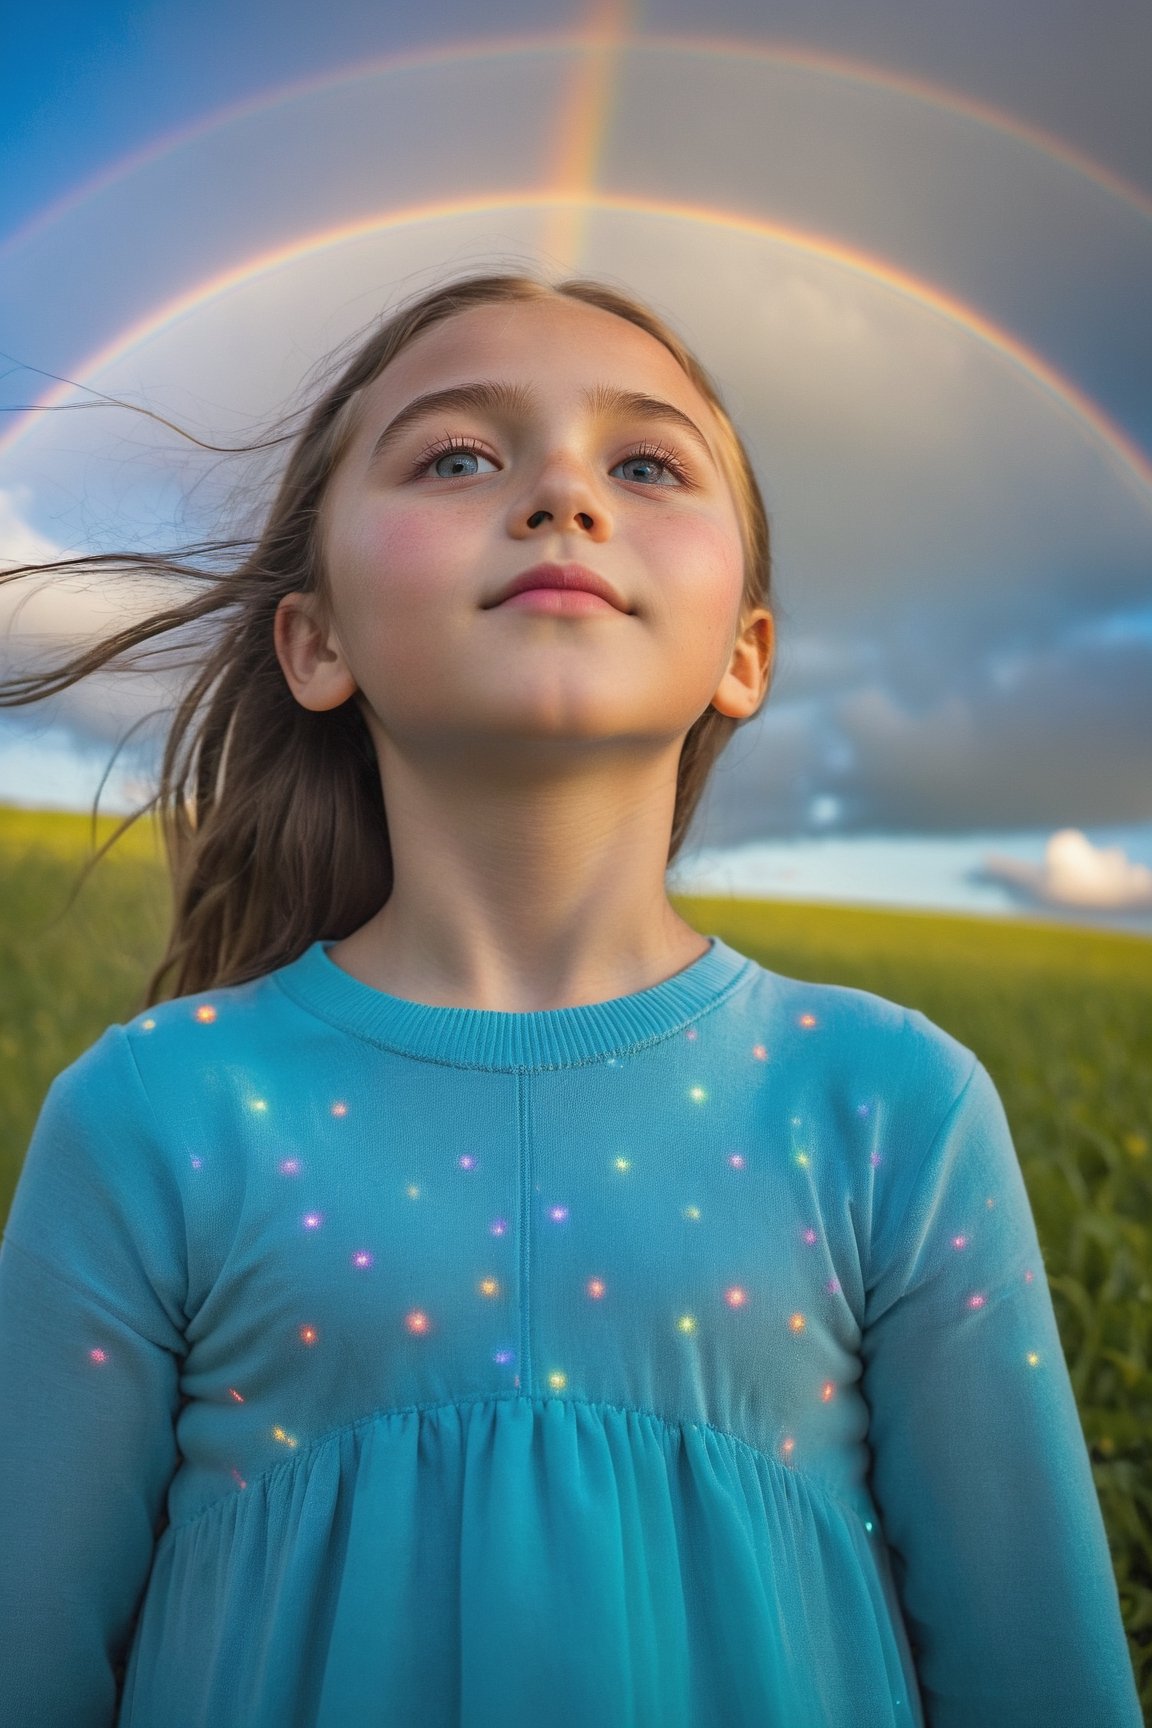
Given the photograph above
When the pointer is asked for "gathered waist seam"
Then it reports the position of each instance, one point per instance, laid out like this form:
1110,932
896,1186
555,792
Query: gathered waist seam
669,1424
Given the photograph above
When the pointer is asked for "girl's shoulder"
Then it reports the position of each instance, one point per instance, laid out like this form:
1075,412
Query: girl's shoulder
851,1029
166,1039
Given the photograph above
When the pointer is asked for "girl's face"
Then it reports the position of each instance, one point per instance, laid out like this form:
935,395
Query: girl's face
422,531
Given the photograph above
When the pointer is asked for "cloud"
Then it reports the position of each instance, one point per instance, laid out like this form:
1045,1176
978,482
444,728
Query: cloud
46,619
1064,734
20,543
1076,873
945,745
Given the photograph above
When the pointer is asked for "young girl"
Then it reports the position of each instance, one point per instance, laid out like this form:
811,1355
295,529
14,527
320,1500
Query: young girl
475,1297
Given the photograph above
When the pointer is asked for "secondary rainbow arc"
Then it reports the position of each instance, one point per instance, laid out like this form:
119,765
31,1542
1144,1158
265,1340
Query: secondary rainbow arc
840,67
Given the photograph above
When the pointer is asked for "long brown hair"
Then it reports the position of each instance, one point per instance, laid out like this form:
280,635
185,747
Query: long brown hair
272,814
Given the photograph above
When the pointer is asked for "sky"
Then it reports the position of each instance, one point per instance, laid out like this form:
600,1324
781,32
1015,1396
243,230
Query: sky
912,243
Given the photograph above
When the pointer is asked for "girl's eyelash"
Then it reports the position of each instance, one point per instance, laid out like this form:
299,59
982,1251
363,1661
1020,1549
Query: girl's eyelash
650,452
660,453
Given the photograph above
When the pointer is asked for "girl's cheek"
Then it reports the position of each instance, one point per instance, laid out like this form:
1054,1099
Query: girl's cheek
396,555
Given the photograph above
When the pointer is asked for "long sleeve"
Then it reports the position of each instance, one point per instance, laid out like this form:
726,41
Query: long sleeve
980,1469
91,1276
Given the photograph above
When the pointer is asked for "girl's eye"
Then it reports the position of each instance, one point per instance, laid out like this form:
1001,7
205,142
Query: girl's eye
652,455
460,449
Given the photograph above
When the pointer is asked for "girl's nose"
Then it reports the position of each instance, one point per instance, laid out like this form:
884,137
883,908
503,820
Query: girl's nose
567,497
539,516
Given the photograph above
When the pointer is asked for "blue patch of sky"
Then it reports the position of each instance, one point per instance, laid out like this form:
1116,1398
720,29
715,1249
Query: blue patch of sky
84,84
1132,625
924,872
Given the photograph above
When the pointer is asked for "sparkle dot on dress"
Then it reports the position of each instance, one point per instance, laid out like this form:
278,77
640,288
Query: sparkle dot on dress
735,1297
313,1220
417,1321
558,1214
809,1235
686,1323
308,1334
697,1094
498,1226
797,1323
238,1397
467,1161
206,1013
692,1212
623,1163
760,1052
959,1241
976,1301
290,1166
1033,1358
691,1032
557,1381
828,1391
595,1288
489,1287
148,1025
361,1257
807,1020
736,1159
97,1355
340,1109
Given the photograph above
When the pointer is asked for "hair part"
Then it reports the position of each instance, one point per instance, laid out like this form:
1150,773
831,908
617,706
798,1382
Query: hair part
272,814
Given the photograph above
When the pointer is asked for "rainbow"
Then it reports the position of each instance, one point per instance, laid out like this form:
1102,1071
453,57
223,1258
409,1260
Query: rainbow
575,205
609,35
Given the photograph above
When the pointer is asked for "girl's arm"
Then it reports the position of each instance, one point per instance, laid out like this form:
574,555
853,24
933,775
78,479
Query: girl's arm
92,1276
981,1472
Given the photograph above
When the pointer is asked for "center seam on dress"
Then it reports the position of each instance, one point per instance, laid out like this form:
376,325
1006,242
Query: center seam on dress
524,1150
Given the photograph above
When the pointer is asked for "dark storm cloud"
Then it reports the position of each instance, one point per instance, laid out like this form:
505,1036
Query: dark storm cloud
1012,742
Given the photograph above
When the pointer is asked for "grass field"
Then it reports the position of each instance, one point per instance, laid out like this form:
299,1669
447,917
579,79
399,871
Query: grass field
1061,1017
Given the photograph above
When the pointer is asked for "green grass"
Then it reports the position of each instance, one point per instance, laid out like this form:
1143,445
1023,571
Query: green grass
1061,1017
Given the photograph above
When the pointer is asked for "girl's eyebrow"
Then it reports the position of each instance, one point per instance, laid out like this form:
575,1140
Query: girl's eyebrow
488,395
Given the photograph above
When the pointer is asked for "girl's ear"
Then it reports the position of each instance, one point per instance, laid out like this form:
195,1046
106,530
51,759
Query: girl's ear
745,684
311,659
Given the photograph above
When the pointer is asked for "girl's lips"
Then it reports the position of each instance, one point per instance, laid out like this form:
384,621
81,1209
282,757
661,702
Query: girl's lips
557,600
566,576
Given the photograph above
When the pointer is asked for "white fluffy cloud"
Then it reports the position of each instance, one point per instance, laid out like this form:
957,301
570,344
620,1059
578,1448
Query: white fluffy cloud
1076,873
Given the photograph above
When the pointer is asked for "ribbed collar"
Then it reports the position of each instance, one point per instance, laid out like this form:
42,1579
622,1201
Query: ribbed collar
487,1038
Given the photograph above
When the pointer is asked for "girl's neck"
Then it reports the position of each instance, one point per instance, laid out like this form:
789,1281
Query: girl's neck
522,884
392,955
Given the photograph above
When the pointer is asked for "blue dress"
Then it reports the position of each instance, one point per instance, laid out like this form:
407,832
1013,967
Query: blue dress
682,1360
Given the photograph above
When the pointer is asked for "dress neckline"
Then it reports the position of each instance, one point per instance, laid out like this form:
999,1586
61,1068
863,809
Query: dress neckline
490,1038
